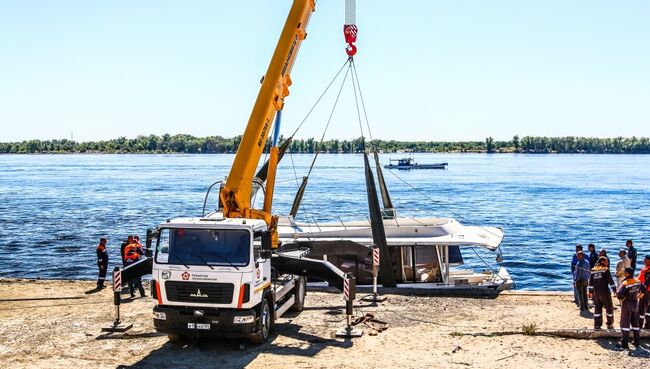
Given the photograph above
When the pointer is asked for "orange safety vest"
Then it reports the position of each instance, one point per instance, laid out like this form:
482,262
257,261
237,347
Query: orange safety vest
642,274
131,252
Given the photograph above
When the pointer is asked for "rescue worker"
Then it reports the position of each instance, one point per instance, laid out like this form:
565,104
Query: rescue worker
631,253
623,262
102,262
628,293
574,261
593,256
644,307
581,277
128,240
600,284
132,253
603,252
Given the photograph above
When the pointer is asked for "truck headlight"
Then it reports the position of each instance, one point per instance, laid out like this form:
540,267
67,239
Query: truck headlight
159,315
244,319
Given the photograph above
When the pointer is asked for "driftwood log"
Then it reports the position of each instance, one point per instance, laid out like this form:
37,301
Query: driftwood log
586,334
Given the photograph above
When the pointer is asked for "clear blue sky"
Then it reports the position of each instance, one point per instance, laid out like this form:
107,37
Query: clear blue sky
430,70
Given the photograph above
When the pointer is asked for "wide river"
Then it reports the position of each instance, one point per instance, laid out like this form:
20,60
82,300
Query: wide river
54,208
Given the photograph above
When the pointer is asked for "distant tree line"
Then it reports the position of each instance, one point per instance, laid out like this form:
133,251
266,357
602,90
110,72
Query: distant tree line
217,145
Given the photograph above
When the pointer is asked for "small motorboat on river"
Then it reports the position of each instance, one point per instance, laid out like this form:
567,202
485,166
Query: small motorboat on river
409,163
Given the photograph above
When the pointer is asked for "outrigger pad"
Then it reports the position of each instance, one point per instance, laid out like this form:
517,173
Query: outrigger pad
349,332
118,328
374,298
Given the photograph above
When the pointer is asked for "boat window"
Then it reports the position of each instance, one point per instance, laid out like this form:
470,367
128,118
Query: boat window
347,263
407,263
364,270
427,268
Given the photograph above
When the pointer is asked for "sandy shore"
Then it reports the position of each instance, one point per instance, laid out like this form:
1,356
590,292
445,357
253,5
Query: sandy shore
424,332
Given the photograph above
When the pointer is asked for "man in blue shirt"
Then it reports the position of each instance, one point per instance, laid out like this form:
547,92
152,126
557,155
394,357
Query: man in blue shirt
576,300
581,275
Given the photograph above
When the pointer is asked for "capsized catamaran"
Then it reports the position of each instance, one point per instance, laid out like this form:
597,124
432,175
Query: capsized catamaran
424,252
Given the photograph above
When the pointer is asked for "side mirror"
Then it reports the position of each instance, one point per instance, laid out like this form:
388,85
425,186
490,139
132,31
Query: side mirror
267,242
266,254
151,234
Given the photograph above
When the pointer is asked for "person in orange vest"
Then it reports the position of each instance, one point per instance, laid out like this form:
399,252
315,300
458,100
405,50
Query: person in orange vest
630,291
102,262
600,283
132,253
644,303
128,240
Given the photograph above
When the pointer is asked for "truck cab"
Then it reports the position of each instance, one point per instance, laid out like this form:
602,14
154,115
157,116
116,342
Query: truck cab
213,277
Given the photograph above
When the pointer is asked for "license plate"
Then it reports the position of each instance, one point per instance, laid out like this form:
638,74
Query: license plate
205,327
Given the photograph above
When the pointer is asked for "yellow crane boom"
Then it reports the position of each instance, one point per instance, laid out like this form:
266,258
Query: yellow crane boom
236,193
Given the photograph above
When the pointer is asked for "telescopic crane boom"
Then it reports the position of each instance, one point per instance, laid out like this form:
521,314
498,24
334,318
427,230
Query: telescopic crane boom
236,193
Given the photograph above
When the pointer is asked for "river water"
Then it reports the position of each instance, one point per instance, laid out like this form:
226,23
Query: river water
54,208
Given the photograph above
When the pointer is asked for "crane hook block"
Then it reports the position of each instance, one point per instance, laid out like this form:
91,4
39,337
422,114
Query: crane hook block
350,34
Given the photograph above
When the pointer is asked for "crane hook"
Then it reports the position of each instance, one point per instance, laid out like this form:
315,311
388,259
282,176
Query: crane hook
351,50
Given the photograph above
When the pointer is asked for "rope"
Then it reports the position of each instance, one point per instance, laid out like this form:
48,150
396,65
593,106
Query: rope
319,99
363,105
329,120
356,103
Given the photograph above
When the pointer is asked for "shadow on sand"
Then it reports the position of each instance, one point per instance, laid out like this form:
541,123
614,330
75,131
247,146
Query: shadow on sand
641,352
236,352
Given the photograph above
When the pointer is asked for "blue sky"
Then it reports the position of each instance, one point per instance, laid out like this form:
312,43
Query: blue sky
430,70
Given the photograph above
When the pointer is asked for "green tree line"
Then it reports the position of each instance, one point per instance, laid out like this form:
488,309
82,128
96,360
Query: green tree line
217,145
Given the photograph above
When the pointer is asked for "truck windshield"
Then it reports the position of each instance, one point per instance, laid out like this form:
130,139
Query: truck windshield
203,247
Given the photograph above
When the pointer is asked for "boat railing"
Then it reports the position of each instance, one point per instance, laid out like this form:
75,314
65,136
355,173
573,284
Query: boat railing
316,223
342,223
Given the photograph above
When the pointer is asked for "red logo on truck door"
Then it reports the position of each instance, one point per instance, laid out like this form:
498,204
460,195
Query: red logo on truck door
185,276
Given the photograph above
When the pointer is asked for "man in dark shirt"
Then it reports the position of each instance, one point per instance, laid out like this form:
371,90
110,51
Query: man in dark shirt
593,255
600,284
631,253
629,292
102,262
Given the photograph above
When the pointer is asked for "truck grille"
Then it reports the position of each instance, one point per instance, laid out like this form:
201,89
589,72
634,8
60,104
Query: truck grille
214,293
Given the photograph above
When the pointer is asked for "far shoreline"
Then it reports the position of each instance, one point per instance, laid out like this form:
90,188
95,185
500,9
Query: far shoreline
329,153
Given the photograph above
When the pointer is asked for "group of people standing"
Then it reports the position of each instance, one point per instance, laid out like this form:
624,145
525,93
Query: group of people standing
593,280
131,251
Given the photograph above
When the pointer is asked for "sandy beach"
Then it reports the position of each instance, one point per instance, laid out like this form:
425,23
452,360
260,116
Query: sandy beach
56,324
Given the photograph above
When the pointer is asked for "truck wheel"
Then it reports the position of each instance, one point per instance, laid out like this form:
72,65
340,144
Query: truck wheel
175,337
299,295
266,322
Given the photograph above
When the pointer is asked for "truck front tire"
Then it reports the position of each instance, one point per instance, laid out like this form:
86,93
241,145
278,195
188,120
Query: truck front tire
266,322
